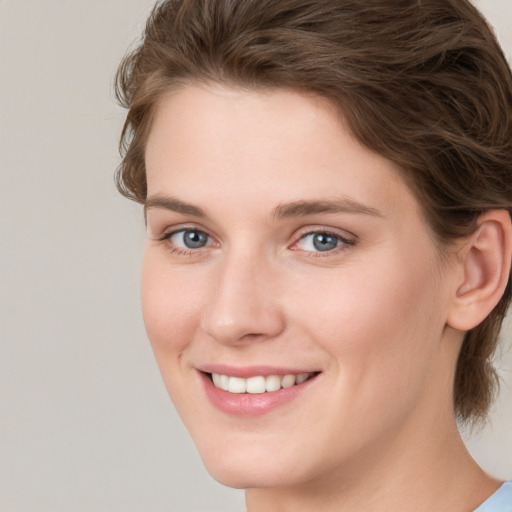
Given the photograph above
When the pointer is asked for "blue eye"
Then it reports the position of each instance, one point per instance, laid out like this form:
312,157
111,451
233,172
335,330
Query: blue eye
320,241
189,239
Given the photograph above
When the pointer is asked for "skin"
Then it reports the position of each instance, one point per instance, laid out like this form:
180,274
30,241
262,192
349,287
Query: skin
375,430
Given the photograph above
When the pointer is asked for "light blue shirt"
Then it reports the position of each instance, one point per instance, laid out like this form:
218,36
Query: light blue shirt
500,501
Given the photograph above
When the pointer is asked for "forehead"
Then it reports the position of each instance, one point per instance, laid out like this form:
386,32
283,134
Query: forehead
247,120
276,145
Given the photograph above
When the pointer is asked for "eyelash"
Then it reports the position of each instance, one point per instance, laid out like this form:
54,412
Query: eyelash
180,251
343,243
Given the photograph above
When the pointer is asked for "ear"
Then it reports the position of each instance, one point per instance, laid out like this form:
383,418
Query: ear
485,260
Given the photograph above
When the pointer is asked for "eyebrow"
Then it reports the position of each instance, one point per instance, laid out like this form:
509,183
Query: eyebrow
173,204
286,210
341,205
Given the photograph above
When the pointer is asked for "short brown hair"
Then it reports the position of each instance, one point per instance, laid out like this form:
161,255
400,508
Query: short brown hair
422,82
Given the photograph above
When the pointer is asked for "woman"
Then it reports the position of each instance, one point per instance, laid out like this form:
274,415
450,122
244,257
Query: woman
327,188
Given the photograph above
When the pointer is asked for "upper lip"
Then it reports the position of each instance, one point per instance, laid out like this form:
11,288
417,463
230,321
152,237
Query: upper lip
252,371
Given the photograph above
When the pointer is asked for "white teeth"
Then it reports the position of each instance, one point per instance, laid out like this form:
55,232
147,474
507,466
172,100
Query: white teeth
223,382
255,385
236,385
288,381
272,383
258,384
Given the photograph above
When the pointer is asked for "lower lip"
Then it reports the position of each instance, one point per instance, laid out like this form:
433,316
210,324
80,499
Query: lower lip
247,404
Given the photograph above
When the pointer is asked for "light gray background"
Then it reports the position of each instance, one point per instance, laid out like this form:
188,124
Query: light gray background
85,423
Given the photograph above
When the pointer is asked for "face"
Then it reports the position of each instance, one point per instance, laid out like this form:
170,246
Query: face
292,293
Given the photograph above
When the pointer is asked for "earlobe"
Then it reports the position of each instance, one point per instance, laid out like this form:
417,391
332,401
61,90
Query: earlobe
485,259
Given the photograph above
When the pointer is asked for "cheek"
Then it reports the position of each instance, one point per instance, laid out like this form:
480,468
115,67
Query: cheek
170,303
378,322
379,329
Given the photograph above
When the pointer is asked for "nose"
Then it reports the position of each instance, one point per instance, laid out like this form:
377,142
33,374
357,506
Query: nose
244,304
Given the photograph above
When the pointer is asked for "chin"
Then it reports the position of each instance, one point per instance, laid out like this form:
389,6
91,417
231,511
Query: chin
254,466
249,477
234,479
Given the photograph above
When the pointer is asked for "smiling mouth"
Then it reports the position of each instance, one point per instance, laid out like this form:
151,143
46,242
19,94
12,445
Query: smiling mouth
259,384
